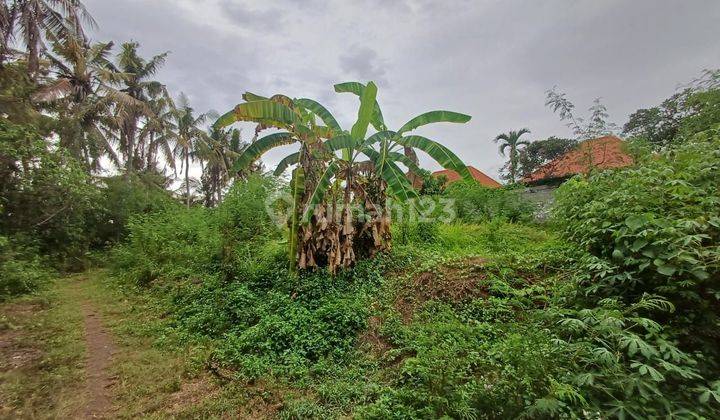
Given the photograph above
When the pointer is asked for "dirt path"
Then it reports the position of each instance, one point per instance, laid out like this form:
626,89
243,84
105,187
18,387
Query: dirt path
100,349
82,349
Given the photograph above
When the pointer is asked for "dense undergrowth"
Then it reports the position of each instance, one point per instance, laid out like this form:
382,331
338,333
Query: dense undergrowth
608,312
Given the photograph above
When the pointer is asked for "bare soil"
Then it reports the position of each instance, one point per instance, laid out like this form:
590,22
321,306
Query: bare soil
453,282
100,349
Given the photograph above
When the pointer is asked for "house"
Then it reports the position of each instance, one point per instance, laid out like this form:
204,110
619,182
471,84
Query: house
605,152
479,176
601,153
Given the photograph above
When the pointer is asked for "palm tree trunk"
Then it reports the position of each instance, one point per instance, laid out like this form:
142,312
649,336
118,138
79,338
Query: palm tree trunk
130,144
187,178
513,163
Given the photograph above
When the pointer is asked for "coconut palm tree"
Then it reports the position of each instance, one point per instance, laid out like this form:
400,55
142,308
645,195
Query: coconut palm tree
155,138
6,20
81,91
219,153
512,141
34,19
188,134
142,88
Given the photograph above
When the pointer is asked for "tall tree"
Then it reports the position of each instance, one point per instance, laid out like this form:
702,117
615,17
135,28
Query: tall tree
155,138
141,87
511,140
83,96
540,152
688,111
219,154
188,134
6,17
32,20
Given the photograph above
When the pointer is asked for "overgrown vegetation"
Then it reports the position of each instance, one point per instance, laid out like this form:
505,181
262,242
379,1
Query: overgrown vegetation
475,310
467,320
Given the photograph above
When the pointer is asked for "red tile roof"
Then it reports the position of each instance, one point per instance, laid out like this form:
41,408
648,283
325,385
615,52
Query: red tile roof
603,153
479,176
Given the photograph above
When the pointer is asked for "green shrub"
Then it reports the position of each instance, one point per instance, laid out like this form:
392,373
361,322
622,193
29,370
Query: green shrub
648,298
453,368
297,323
655,229
175,243
123,197
21,269
45,196
243,216
475,203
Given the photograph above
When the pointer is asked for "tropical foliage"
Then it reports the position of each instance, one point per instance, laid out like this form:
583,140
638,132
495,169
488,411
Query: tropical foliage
541,152
326,185
511,141
689,111
609,310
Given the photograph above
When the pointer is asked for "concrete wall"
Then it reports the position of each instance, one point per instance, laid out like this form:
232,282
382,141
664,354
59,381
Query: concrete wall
543,196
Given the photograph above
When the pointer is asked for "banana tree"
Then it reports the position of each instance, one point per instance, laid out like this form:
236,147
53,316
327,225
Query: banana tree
303,121
339,168
369,182
392,142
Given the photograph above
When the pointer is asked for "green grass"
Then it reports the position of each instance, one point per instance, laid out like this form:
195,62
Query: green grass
460,285
42,372
155,374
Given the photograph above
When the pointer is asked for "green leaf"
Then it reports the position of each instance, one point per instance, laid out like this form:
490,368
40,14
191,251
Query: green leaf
258,148
380,136
398,184
399,157
434,117
437,151
320,111
638,244
262,111
667,269
634,222
343,141
249,96
320,190
287,161
367,101
225,119
704,397
358,88
617,254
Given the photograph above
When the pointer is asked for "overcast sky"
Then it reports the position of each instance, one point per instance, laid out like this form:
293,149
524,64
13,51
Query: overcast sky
493,60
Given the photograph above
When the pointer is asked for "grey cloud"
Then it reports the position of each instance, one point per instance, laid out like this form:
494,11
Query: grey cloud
248,16
493,60
363,63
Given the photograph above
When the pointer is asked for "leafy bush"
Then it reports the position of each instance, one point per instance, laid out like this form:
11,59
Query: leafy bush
298,322
21,269
121,198
177,243
46,196
475,203
652,233
655,230
172,244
